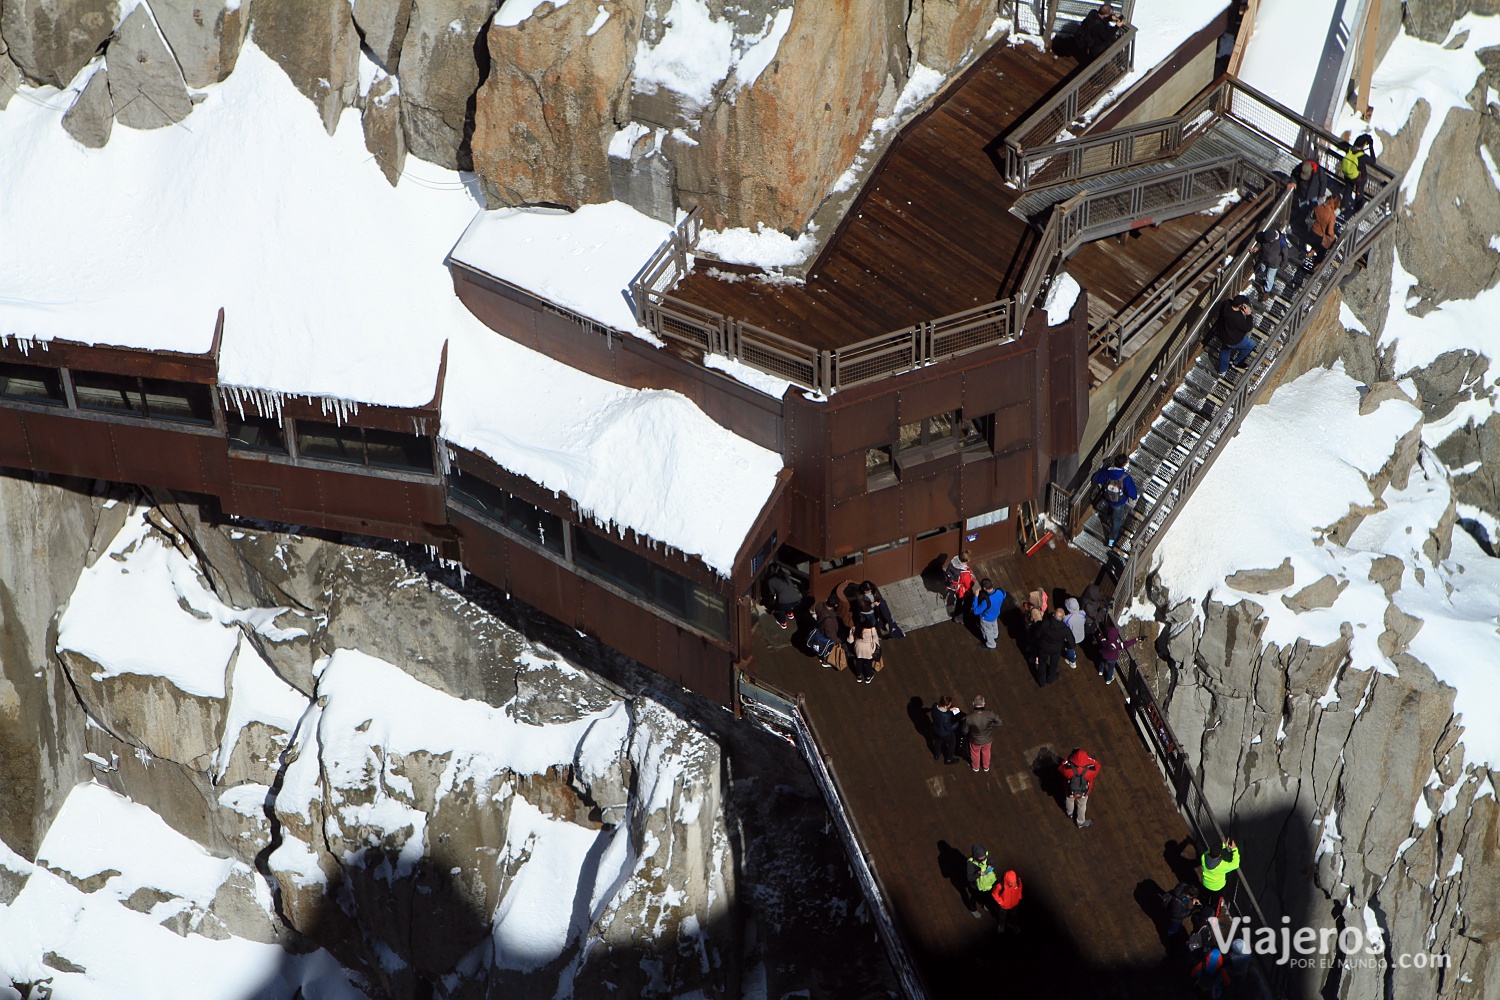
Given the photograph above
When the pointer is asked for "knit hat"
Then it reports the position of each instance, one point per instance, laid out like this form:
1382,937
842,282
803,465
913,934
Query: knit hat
978,851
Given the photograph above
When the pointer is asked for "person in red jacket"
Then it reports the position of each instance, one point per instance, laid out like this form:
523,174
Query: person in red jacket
1078,771
1007,896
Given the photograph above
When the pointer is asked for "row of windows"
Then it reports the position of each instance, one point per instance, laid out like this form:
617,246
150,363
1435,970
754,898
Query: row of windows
158,399
680,597
152,398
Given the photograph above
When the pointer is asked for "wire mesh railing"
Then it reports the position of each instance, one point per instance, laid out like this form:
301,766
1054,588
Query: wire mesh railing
1359,233
786,716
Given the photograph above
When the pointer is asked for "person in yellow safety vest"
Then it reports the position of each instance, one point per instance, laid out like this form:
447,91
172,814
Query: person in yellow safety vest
1214,866
980,879
1353,173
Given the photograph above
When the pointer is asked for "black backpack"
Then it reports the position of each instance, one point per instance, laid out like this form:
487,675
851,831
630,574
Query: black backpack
1078,784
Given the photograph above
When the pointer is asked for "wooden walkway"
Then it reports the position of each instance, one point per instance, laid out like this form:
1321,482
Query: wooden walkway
1091,896
932,233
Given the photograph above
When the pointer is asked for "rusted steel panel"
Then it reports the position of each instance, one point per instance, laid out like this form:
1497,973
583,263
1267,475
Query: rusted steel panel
72,446
14,451
866,424
418,420
156,457
932,501
928,398
847,476
1004,382
698,665
169,365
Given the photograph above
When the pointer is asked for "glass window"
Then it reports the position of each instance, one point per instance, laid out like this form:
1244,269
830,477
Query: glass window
330,442
364,446
145,397
698,606
184,401
393,450
255,434
102,391
32,384
475,493
510,511
535,523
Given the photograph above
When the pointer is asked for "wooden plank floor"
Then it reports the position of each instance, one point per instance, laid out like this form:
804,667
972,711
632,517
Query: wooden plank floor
1090,895
932,233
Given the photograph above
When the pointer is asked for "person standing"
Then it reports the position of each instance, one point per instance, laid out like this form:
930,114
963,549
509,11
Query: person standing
866,652
1110,651
1214,868
785,597
1098,31
1079,771
987,605
1179,903
1119,493
958,574
1077,623
979,880
1053,638
1354,170
1325,228
1211,975
1235,324
944,739
1270,254
979,730
885,622
1007,896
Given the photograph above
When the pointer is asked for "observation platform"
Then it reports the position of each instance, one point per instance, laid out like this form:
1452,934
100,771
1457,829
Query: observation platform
1090,895
933,234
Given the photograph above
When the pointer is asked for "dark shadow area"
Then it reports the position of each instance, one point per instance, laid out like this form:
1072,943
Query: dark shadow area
921,720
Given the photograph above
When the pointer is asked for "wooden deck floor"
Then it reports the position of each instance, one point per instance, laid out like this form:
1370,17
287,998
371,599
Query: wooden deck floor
932,233
1090,895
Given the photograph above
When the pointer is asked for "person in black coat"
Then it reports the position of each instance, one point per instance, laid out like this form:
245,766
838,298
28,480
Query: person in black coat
1053,636
1270,254
1235,323
883,622
1098,31
946,719
1309,185
784,595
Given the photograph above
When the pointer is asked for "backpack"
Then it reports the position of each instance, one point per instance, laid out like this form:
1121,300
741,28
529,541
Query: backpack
1078,784
1350,165
1114,490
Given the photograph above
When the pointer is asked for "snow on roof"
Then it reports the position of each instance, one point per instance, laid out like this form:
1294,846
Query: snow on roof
583,260
327,275
142,608
1244,516
647,459
1160,27
116,948
334,285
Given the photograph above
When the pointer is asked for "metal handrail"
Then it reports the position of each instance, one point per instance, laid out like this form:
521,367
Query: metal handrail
1267,360
786,715
1192,803
1054,116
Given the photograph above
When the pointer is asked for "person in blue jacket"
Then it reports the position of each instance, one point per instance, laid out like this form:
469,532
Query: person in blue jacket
987,605
1119,492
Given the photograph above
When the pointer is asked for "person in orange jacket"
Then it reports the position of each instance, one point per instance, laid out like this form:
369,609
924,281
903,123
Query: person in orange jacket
1078,772
1007,896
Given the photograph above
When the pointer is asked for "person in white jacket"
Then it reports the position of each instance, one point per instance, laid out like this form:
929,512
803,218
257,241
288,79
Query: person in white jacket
1074,619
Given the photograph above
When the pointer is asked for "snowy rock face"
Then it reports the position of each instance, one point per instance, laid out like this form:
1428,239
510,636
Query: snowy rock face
317,44
440,71
92,116
51,40
205,35
1342,723
770,148
481,813
145,83
558,84
942,33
